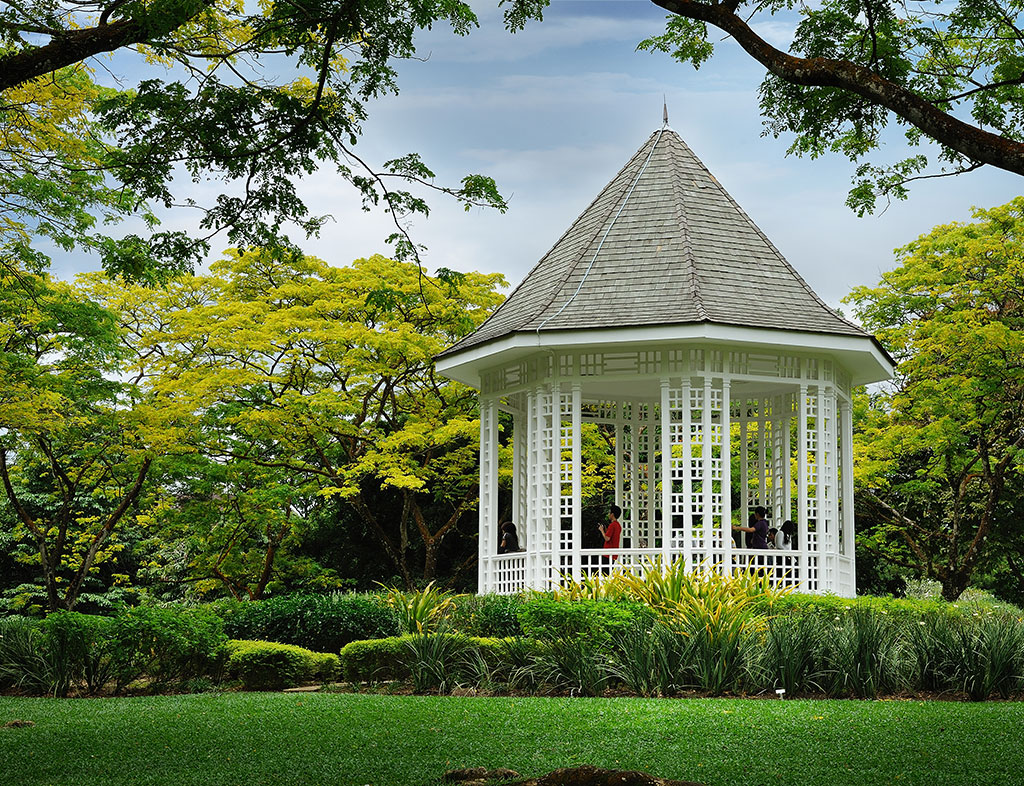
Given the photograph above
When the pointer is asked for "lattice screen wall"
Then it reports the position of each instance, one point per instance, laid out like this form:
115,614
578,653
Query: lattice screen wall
673,449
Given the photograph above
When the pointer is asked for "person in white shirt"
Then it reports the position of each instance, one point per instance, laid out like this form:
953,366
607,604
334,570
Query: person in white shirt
785,537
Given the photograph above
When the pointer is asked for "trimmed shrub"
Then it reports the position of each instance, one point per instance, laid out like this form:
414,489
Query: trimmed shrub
547,619
168,644
396,657
322,623
490,616
268,665
900,609
375,659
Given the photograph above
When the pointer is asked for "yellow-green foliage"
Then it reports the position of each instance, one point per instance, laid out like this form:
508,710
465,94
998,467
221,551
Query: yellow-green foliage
421,611
267,665
675,592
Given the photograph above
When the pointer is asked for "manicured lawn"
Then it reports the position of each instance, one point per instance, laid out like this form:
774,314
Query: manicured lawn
342,740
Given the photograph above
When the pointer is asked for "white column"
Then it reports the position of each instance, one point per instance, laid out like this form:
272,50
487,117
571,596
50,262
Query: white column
801,481
828,480
849,543
726,453
519,449
744,467
686,439
620,499
577,484
653,468
487,540
665,440
707,484
533,539
764,475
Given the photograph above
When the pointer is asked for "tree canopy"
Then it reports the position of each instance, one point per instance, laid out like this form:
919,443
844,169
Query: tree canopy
941,453
949,72
252,95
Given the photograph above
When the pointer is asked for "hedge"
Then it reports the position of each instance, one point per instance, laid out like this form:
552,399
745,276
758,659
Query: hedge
267,665
322,623
390,658
68,650
546,618
490,616
902,609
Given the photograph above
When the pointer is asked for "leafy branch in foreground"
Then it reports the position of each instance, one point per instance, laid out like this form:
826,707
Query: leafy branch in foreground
946,72
209,103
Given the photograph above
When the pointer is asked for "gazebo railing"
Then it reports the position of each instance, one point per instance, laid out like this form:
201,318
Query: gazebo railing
509,573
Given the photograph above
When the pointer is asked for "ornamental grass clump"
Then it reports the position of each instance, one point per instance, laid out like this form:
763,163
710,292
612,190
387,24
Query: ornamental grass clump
998,666
978,655
421,611
435,660
22,663
862,655
652,661
577,664
716,613
790,653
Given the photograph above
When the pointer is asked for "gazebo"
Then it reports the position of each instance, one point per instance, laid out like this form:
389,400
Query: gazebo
665,316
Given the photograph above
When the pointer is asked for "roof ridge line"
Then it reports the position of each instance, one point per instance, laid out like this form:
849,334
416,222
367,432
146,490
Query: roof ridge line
615,203
546,254
684,225
785,262
607,231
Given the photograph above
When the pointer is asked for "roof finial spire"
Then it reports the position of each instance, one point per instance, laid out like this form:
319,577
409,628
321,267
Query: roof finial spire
664,104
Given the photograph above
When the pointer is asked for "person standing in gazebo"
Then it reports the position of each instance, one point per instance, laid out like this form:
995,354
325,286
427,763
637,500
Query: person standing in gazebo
758,529
612,533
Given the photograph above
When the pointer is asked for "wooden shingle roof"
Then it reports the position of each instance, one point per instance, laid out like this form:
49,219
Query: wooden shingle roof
662,244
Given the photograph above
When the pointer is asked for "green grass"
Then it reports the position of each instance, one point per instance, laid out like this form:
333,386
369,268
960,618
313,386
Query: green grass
309,739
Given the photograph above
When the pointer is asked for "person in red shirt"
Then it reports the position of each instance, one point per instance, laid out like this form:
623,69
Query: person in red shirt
612,533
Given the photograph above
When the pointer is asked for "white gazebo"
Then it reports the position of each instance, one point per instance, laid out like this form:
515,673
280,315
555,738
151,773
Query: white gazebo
667,317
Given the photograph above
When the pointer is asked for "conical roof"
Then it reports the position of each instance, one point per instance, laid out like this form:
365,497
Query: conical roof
662,244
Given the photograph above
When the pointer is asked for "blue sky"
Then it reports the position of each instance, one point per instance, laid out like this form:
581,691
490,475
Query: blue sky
554,111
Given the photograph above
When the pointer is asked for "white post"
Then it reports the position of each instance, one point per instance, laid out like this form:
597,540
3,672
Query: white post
487,538
534,542
849,547
707,484
801,468
744,471
619,485
826,524
665,438
726,484
519,449
577,481
687,459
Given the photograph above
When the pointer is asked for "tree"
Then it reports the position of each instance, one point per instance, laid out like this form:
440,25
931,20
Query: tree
325,374
76,443
229,528
213,104
940,450
853,67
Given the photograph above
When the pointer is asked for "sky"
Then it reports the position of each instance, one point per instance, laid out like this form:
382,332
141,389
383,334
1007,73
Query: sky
553,112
